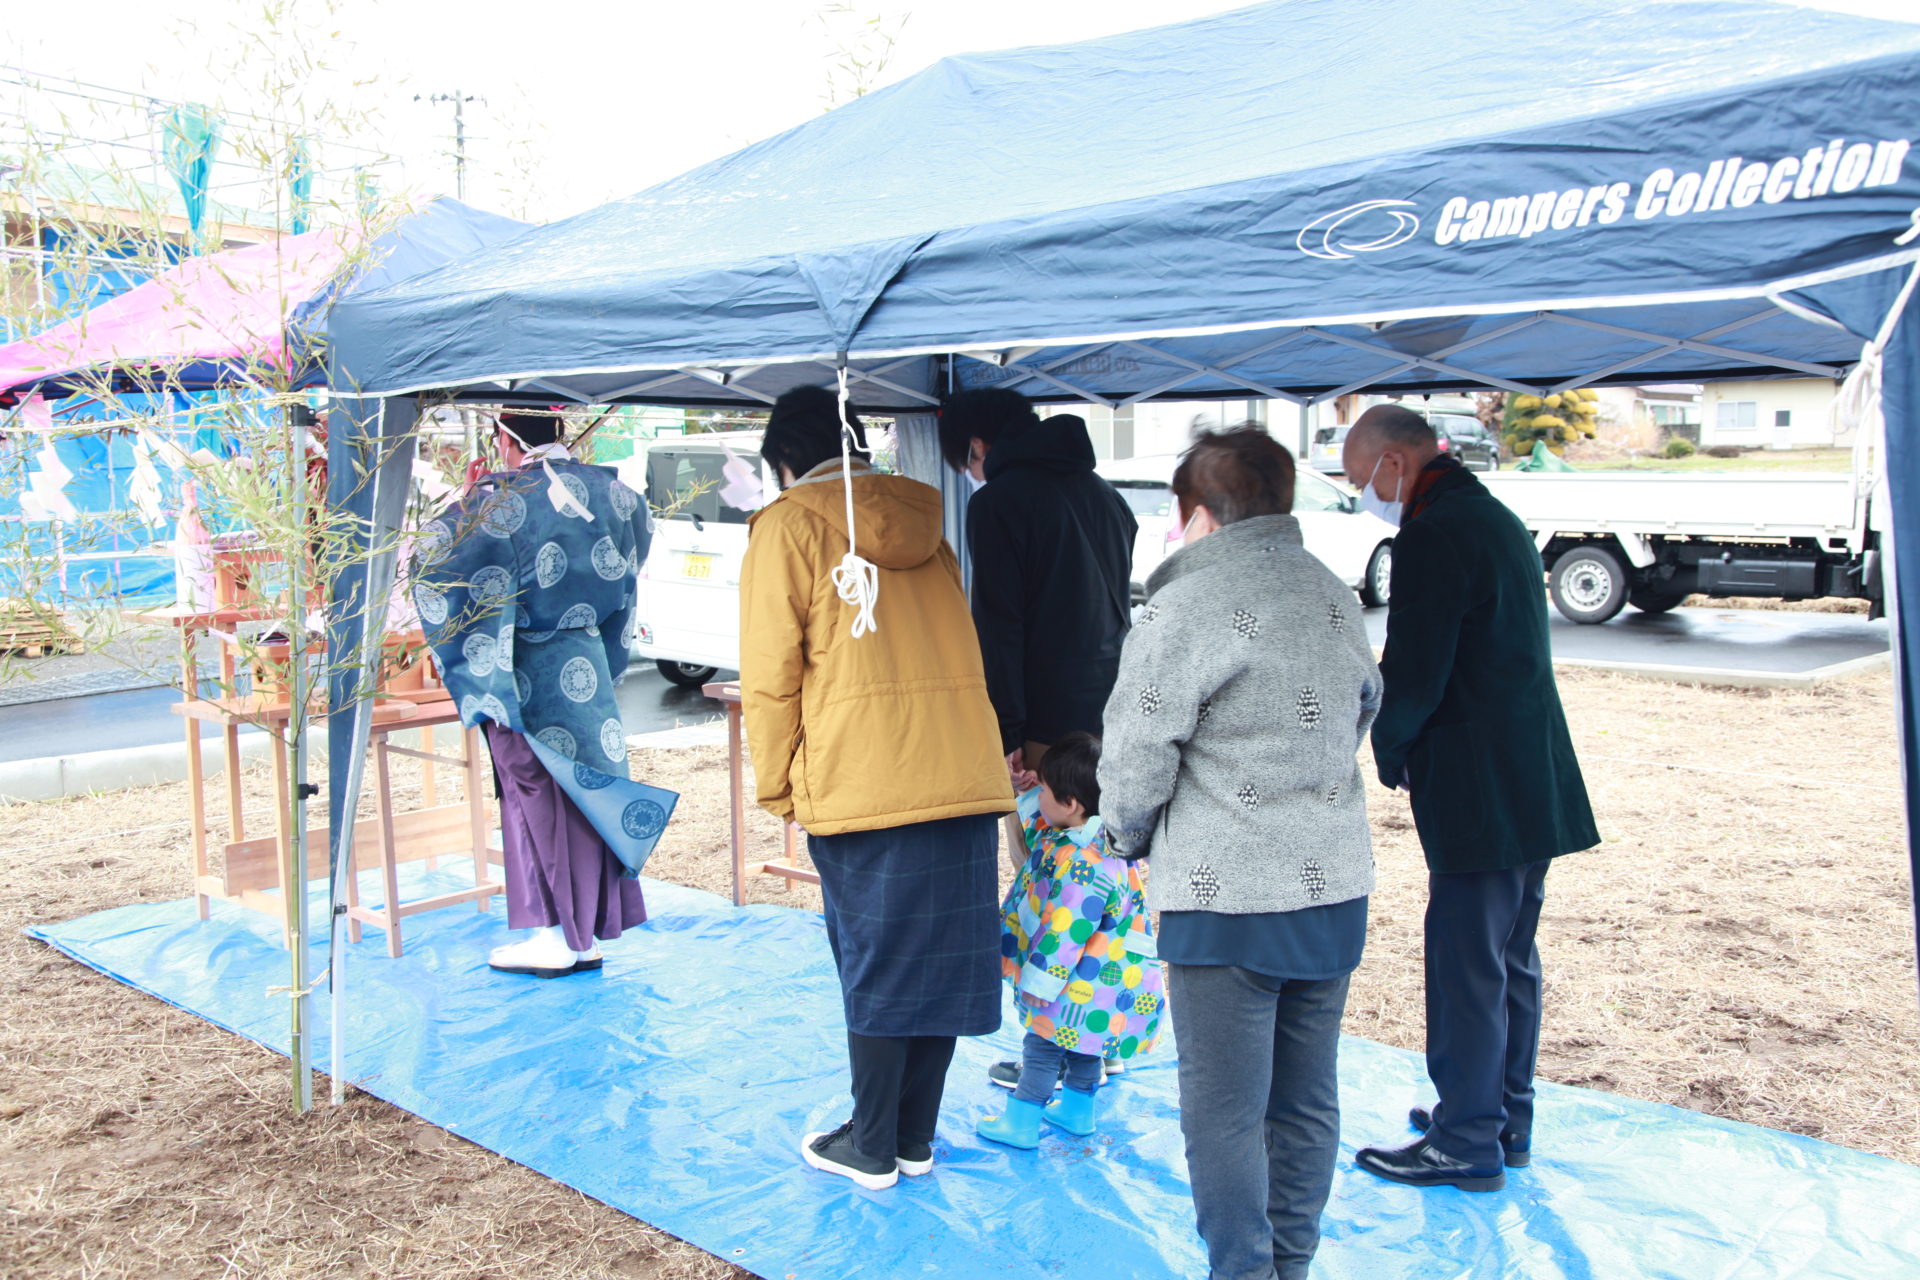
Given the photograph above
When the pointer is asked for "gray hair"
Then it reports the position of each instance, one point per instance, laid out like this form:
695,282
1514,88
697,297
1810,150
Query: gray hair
1398,427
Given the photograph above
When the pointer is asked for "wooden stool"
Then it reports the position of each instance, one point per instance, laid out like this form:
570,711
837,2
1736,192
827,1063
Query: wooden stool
422,834
787,867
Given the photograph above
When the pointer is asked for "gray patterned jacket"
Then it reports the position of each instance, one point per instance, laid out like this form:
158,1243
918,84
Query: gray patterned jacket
1245,692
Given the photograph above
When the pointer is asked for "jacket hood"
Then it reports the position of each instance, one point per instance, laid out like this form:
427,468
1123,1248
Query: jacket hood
897,521
1059,444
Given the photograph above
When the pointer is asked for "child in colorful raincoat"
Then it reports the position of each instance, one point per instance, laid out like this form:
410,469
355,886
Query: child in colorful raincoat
1077,947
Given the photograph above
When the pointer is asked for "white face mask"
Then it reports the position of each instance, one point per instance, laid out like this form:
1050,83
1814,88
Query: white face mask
1371,501
1186,531
743,490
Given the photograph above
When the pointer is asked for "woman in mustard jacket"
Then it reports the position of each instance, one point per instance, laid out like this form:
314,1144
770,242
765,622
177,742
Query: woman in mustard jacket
885,749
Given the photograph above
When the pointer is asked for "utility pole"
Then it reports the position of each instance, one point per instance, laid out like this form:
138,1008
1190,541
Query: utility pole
459,101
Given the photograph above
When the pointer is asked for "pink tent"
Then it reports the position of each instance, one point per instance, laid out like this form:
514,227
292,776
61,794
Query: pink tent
203,321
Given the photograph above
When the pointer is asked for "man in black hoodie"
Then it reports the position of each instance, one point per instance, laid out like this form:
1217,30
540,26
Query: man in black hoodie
1052,548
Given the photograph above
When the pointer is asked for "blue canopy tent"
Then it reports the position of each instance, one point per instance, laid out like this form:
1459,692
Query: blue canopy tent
443,231
437,234
1294,200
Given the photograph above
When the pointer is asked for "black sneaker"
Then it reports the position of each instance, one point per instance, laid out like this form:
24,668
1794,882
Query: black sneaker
1007,1074
915,1159
834,1152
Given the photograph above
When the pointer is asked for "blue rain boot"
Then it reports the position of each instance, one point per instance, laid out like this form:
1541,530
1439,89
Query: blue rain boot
1072,1111
1017,1126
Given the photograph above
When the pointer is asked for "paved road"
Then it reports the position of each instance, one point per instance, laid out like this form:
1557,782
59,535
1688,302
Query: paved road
1724,639
140,717
1773,642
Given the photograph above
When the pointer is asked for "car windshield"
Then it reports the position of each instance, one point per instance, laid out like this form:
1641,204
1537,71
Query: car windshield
1314,492
687,482
1146,497
1326,436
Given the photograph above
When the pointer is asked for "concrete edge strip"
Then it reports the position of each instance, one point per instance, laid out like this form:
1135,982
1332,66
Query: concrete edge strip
56,777
710,734
117,769
1733,677
123,768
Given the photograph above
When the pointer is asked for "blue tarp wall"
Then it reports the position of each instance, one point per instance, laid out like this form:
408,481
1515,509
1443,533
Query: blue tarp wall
104,556
107,556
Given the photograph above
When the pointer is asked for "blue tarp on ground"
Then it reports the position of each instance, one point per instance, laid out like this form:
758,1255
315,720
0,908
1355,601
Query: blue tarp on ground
674,1085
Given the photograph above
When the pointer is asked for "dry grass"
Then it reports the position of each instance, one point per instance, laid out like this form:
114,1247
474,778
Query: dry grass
139,1141
1826,604
1741,946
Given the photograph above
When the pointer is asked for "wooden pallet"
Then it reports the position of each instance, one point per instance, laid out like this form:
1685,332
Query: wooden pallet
25,633
40,648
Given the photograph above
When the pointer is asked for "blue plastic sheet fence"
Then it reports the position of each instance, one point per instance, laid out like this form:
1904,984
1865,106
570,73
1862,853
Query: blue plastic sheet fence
108,555
675,1083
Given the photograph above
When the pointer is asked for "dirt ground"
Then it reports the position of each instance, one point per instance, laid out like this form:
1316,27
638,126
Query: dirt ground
1742,944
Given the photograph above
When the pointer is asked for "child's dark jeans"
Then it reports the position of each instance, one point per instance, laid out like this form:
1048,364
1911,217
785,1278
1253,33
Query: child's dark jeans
1040,1061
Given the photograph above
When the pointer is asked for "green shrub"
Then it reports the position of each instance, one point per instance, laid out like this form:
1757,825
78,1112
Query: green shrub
1678,447
1723,451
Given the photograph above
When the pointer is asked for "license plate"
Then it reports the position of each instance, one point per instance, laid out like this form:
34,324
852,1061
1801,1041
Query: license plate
698,567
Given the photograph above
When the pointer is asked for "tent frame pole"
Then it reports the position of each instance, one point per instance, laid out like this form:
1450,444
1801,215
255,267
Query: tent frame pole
295,888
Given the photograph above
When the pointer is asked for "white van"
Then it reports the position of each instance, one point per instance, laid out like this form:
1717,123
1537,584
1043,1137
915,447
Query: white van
687,614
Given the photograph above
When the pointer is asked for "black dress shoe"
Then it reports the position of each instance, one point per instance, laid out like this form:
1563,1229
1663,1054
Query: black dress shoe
1421,1164
1515,1149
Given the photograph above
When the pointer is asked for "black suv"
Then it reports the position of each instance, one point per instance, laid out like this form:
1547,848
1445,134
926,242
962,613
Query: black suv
1464,436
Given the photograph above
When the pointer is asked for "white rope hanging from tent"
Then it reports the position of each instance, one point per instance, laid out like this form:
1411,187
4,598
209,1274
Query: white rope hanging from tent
1856,407
857,580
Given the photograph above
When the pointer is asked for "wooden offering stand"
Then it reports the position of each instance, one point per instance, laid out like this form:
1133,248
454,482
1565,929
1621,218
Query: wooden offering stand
255,871
787,867
394,836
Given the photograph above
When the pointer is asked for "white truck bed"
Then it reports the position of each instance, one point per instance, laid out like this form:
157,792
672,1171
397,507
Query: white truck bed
1708,506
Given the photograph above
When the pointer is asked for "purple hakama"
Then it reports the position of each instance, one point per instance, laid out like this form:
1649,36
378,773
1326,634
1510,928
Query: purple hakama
558,869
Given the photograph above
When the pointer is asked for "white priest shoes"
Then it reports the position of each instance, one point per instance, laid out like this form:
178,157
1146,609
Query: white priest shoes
544,953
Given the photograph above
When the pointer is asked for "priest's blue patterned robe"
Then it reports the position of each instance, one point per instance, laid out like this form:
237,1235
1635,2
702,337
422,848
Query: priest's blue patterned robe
528,604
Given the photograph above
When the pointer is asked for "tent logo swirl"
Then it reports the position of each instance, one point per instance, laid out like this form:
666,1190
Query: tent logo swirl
1326,236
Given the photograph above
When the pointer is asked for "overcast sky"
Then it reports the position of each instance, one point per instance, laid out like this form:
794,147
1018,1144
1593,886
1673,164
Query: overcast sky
601,97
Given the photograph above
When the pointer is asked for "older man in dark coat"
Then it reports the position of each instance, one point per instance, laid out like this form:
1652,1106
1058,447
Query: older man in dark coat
1472,727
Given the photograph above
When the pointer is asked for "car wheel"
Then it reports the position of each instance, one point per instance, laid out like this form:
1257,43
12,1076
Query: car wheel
1377,586
1589,584
687,675
1654,600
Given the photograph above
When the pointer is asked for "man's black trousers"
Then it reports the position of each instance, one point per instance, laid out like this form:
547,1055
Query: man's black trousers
1483,1006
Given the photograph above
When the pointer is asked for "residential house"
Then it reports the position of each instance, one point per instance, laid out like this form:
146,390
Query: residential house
1772,413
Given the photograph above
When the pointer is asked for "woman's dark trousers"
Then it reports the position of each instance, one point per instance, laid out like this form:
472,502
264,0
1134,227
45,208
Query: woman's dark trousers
897,1085
1260,1108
